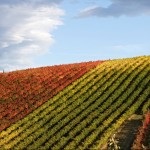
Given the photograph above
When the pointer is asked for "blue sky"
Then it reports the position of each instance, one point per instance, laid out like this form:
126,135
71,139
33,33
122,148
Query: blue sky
41,33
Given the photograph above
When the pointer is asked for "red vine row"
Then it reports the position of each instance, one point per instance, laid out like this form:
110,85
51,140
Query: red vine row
141,137
23,91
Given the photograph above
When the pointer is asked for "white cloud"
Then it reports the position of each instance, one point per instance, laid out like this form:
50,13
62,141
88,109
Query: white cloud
26,30
118,8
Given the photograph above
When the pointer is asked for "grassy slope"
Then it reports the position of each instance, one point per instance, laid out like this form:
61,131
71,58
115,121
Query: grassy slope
88,111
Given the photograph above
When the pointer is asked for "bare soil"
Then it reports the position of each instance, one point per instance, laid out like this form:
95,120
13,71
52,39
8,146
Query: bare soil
127,132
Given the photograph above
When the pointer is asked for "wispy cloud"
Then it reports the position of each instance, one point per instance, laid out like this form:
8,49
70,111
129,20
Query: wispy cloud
118,8
26,30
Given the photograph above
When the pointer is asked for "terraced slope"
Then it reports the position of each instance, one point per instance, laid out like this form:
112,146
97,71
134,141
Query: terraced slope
86,113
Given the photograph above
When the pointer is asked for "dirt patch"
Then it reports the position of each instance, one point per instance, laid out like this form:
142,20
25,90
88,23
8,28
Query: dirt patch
127,132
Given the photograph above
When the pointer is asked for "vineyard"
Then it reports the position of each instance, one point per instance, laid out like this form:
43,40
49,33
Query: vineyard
23,91
75,106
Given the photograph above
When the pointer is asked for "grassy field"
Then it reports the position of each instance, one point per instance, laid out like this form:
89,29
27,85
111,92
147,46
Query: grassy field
76,106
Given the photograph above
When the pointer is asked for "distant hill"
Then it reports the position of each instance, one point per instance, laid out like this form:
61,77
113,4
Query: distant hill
74,106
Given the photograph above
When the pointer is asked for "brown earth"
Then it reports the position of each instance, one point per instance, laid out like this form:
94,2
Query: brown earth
126,134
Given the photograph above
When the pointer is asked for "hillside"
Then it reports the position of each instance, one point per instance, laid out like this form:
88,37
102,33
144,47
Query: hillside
23,91
76,106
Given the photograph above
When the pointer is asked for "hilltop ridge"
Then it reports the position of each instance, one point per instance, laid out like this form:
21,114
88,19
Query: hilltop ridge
75,107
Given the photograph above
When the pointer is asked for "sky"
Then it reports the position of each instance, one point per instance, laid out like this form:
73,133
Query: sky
35,33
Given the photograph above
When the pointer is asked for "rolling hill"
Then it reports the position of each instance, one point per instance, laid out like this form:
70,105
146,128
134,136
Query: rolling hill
75,106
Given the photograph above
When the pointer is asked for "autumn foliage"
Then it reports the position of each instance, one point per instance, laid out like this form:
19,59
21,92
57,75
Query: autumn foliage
142,135
76,106
23,91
